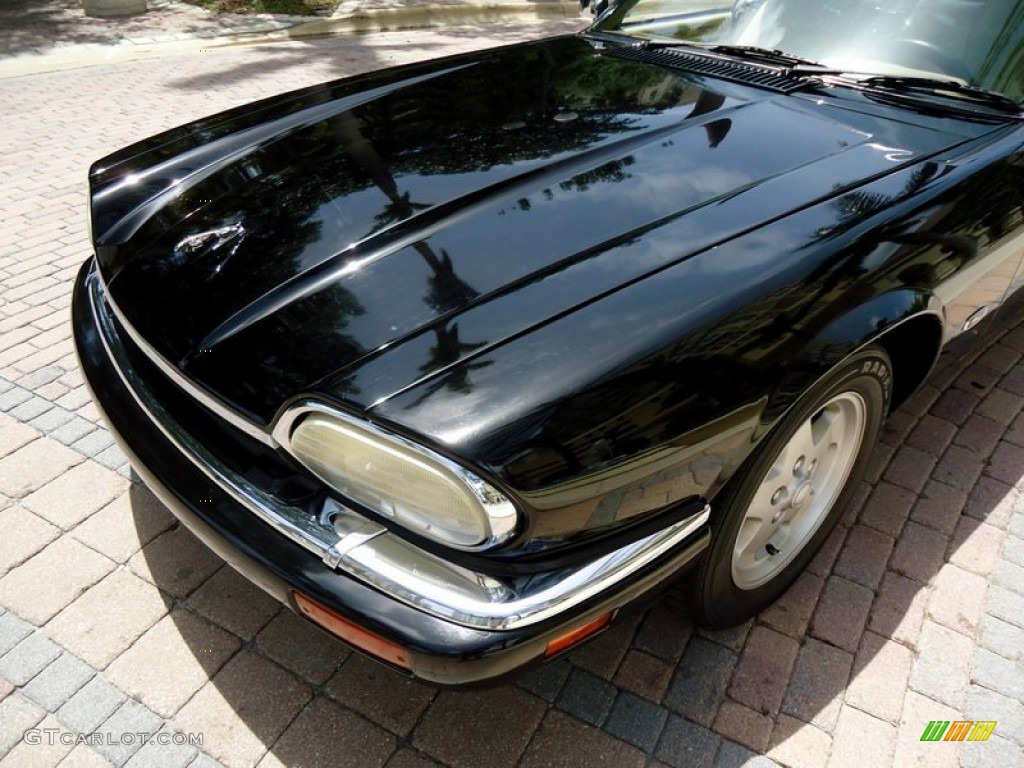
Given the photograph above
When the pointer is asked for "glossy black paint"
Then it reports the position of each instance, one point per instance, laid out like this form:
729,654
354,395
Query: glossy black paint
598,282
439,650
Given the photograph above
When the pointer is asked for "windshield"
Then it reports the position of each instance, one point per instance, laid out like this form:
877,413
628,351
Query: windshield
977,42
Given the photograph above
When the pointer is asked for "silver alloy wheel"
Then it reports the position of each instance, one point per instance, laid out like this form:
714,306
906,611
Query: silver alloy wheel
798,491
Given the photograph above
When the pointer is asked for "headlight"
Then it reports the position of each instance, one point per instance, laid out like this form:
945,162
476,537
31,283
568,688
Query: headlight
415,487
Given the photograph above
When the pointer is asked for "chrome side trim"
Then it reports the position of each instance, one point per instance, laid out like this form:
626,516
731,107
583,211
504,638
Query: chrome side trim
365,550
198,393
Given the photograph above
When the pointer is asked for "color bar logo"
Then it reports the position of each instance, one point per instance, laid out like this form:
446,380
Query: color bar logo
958,730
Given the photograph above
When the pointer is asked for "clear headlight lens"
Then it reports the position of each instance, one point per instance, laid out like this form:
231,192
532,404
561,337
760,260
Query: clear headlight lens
417,489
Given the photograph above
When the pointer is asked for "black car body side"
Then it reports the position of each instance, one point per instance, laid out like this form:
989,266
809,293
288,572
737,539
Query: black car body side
597,282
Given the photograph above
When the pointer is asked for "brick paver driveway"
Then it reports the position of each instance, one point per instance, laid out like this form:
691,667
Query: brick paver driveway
116,621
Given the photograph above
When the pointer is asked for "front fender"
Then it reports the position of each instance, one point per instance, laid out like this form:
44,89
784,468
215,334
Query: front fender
907,321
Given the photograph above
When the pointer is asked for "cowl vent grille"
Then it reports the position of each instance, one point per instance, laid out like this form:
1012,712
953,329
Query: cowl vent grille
758,75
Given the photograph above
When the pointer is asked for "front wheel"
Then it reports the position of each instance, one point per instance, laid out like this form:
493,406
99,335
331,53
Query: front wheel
777,511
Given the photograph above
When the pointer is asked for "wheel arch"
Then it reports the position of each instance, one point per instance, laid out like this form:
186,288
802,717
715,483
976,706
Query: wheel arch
907,323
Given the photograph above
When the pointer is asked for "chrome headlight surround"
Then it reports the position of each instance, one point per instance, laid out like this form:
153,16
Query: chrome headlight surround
496,516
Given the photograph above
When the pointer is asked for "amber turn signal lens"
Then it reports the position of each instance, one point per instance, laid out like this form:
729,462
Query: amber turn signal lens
353,634
578,635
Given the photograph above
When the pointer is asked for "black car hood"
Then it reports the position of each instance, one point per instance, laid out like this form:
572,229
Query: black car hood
362,237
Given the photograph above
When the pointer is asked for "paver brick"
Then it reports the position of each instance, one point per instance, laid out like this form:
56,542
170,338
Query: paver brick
565,741
932,435
49,750
919,553
477,741
13,434
358,685
744,725
235,713
636,721
97,628
911,752
165,755
1005,605
234,602
997,752
130,718
979,434
93,443
860,740
985,704
959,467
764,669
75,495
1013,550
880,674
176,561
171,661
58,682
815,691
25,534
842,613
28,658
822,563
324,732
957,599
73,430
864,556
910,468
898,610
12,631
733,638
603,655
887,508
34,465
943,666
301,647
17,714
1005,639
686,745
40,587
91,705
546,681
999,674
700,680
407,758
1000,406
796,744
791,613
664,633
991,501
587,697
1009,575
644,675
733,755
125,525
1007,464
955,406
940,507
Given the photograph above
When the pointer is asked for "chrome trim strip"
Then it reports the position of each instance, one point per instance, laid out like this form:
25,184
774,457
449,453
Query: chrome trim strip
366,551
205,398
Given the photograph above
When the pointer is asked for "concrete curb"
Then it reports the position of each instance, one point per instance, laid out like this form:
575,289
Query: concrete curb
359,22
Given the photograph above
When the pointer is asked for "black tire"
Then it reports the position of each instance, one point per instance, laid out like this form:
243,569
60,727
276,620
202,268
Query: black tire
716,600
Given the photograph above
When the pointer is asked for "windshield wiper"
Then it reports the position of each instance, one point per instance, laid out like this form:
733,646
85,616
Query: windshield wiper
954,88
794,65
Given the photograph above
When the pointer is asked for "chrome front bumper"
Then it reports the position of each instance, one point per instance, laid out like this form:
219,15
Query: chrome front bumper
349,543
